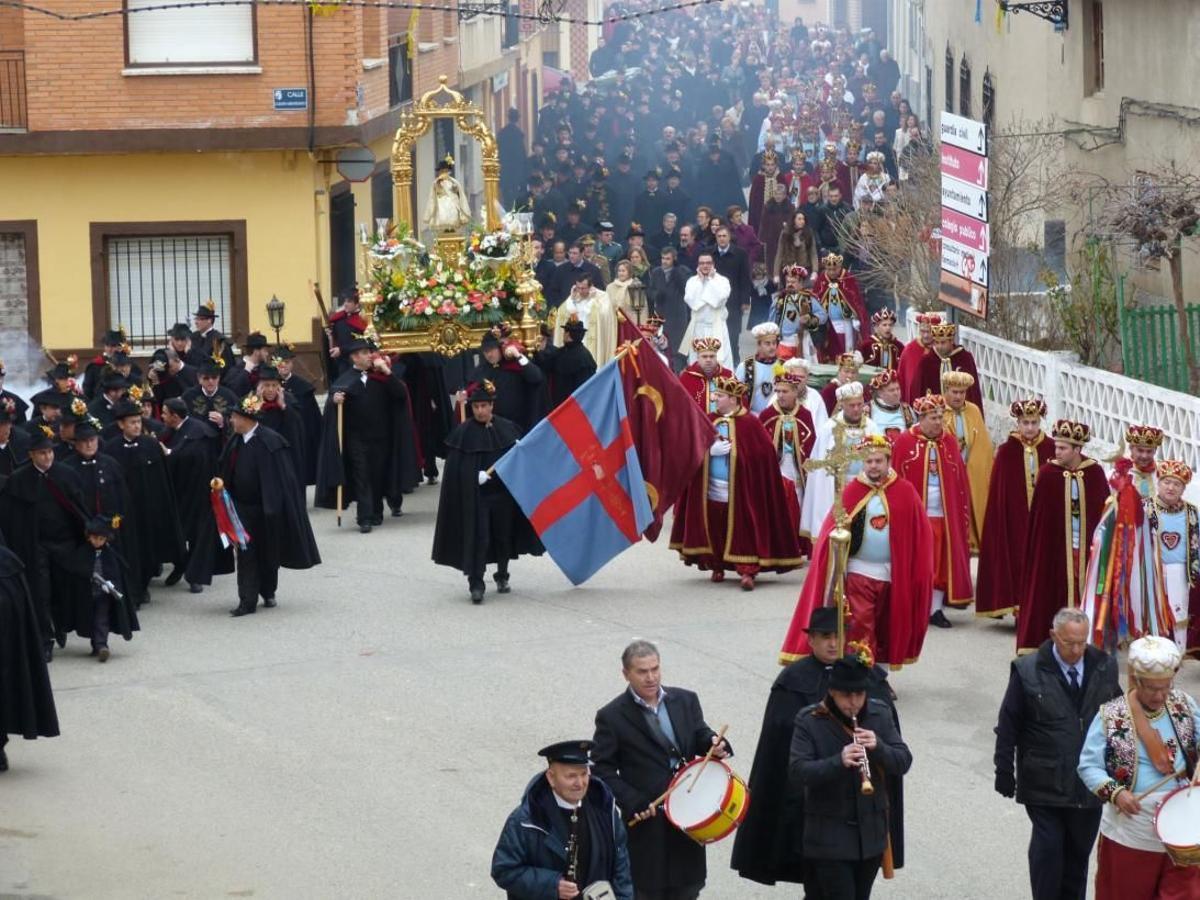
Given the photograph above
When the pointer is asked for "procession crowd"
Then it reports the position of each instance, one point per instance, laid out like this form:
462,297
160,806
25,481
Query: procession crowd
882,486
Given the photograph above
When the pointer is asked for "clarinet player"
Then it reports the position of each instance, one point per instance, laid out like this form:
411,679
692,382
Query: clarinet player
566,839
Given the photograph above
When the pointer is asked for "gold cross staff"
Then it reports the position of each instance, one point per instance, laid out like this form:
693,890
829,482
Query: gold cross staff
837,462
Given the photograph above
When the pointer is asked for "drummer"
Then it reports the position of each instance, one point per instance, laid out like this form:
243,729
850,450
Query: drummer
1128,759
642,738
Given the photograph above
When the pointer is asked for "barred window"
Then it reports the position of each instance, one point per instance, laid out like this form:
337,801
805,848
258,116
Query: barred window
154,282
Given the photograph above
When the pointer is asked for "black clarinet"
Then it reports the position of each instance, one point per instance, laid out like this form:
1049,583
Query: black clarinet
572,874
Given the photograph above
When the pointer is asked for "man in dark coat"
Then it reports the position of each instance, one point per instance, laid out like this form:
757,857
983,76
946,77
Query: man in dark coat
567,274
769,842
731,261
566,835
242,377
478,522
14,441
193,449
207,342
105,607
566,367
513,162
377,456
1052,697
278,413
110,389
257,472
93,372
642,738
304,400
667,283
425,375
651,204
20,409
169,376
845,829
26,700
517,379
210,401
152,498
345,325
41,518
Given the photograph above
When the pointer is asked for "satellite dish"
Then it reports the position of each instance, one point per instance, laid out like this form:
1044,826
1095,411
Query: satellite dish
356,163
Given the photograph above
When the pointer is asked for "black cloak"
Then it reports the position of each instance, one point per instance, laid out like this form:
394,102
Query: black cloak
26,700
77,616
195,447
286,421
425,375
304,400
767,847
105,493
566,368
20,407
459,536
15,454
403,472
153,510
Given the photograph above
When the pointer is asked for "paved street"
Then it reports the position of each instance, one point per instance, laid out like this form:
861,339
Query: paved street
368,737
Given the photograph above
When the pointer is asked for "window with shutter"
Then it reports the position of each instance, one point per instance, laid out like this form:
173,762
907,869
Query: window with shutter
189,35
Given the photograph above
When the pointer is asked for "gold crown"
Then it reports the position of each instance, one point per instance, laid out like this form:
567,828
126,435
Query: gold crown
795,271
943,330
706,344
1144,436
1027,407
1173,468
784,375
1071,432
929,318
884,378
884,315
874,442
852,360
931,402
832,259
728,385
955,379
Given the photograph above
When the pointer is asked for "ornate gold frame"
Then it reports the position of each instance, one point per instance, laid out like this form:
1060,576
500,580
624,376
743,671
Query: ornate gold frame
448,337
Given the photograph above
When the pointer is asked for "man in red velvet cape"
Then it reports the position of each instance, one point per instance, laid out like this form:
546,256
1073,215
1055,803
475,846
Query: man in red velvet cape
913,353
947,356
882,349
790,427
1068,499
700,377
734,515
1003,554
835,286
929,457
890,569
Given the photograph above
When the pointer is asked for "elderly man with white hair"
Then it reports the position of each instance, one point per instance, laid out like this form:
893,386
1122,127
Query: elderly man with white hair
810,398
1139,749
757,372
855,425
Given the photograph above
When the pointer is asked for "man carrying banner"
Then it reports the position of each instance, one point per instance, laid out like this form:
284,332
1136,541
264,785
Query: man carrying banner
734,516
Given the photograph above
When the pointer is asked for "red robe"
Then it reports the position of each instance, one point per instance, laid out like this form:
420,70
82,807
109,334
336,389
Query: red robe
1049,583
759,194
851,293
910,456
799,443
756,530
1003,558
929,374
909,369
900,630
881,352
696,383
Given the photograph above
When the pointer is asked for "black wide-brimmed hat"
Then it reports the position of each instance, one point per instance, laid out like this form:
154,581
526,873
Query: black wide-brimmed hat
50,397
849,674
481,392
179,331
126,409
823,620
114,338
41,438
206,310
268,373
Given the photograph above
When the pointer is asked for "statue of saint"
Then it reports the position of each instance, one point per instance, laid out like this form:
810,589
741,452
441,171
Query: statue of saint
446,210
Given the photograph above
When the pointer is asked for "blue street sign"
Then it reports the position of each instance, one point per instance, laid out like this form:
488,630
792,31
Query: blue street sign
291,98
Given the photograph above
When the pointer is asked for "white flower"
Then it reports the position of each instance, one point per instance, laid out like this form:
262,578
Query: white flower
429,310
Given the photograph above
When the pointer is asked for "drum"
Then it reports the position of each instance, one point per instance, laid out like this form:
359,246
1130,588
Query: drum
1177,824
715,805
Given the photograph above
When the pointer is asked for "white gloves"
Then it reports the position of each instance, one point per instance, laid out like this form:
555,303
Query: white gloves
484,477
721,447
522,359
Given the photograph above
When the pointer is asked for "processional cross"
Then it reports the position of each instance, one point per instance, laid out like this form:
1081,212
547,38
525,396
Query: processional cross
837,462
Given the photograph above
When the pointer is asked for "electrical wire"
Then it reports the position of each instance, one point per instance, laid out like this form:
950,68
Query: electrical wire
547,11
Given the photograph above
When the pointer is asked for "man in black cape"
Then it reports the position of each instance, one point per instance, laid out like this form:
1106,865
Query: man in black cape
210,401
94,371
169,376
425,375
47,410
20,409
41,518
569,366
478,521
194,447
517,379
105,607
378,457
14,441
257,471
278,414
152,498
769,842
111,387
26,700
304,401
207,342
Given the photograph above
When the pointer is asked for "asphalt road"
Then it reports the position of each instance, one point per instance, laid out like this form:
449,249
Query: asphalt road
369,736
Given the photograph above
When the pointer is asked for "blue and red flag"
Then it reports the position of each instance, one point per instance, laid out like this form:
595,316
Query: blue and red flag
577,478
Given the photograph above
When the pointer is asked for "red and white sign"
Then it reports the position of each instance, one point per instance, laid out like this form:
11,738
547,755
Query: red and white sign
964,261
966,231
965,166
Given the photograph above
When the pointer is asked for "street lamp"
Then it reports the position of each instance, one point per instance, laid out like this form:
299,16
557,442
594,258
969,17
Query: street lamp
275,315
637,299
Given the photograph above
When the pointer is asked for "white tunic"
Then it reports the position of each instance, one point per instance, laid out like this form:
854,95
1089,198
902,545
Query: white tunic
707,298
818,493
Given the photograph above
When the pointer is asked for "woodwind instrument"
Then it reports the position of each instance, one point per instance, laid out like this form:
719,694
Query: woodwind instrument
864,767
572,873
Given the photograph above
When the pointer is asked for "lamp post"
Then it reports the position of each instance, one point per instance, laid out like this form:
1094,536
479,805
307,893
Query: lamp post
637,299
275,308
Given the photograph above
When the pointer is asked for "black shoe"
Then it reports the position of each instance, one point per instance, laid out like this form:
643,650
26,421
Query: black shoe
377,521
502,585
3,760
397,512
240,611
476,595
175,576
431,479
195,588
364,528
103,654
269,602
939,620
48,653
61,638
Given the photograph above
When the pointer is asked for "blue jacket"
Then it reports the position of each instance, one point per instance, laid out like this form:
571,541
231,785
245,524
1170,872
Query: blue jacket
531,856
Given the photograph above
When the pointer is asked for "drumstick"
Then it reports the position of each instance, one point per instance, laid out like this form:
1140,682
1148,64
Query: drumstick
1154,787
708,757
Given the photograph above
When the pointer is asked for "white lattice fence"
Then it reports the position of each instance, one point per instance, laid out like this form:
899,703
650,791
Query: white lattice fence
1106,402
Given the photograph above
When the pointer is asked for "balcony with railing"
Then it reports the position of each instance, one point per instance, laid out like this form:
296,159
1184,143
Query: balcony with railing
13,113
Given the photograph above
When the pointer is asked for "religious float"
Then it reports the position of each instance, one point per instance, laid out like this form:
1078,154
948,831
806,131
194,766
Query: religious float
476,276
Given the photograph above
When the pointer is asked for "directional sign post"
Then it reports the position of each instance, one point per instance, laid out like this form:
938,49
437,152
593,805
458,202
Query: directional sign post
966,239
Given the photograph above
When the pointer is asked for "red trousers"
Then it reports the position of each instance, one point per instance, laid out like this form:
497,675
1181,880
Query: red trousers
1123,873
868,603
941,576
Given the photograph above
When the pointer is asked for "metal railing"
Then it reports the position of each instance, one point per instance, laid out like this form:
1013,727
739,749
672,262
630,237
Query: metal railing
13,113
1151,347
